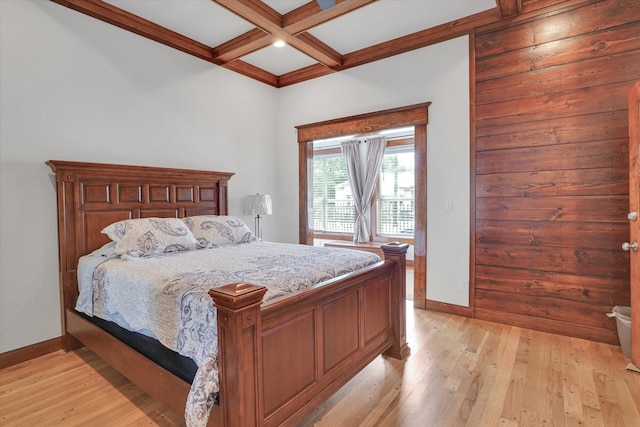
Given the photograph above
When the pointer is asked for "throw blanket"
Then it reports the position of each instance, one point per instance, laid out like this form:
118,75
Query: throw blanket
166,296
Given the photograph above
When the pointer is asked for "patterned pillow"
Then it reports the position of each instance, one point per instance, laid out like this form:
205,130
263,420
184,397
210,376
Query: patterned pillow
211,230
148,237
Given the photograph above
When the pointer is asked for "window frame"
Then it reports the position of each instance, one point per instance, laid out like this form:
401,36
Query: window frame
416,115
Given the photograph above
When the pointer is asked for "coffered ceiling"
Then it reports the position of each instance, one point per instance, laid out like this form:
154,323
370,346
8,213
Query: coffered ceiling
239,34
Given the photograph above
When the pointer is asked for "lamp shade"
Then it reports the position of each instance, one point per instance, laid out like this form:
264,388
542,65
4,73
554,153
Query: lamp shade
260,204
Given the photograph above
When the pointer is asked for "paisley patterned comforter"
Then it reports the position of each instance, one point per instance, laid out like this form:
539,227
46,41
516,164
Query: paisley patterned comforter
166,296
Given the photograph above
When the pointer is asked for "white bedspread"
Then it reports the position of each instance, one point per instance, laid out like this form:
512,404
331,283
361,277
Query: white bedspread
166,296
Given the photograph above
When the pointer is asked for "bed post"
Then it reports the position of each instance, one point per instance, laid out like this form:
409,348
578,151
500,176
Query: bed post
397,252
239,353
67,193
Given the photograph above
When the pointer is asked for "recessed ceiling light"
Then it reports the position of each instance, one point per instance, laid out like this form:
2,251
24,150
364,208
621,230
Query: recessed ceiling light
279,43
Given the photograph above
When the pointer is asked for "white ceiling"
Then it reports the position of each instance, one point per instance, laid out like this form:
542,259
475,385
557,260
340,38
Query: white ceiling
211,24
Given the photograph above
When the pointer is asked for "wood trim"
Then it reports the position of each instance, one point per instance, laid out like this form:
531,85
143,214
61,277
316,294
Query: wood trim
270,21
252,71
443,307
326,236
305,197
22,354
315,48
547,325
149,172
310,15
420,39
472,171
509,7
290,28
410,115
420,232
303,74
244,44
634,226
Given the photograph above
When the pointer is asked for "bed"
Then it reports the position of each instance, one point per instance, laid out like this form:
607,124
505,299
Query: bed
337,327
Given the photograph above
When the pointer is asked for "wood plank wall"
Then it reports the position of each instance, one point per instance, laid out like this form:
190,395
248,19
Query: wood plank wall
551,165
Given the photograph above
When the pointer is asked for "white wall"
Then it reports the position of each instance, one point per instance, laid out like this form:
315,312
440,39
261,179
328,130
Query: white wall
75,88
439,74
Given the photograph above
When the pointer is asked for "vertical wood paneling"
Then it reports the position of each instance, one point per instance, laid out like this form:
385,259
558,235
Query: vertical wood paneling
551,182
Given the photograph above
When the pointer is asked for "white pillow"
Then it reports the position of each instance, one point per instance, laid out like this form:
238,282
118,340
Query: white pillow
212,230
148,237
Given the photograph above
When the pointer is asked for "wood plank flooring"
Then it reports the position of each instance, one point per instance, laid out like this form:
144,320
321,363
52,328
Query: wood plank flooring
461,372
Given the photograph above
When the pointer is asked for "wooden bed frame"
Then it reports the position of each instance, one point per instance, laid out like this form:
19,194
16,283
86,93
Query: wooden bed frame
278,360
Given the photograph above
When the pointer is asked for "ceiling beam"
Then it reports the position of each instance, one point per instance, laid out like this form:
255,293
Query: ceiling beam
130,22
255,12
244,44
400,45
292,28
311,15
304,74
509,7
313,47
420,39
270,21
253,72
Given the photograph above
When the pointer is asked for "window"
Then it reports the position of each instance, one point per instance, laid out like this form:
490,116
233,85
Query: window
395,199
333,210
393,206
416,116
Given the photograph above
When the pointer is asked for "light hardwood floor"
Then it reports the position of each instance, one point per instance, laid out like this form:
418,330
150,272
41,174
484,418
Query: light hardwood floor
461,372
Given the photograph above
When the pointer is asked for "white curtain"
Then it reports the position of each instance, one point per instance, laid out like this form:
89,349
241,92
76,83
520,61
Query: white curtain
363,158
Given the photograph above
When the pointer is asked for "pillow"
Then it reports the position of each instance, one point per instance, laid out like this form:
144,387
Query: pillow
148,237
116,230
211,230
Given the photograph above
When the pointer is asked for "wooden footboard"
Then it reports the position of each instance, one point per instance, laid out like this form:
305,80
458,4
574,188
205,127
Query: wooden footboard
279,361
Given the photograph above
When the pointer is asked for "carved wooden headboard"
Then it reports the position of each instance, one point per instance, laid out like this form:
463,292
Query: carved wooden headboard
94,195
